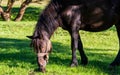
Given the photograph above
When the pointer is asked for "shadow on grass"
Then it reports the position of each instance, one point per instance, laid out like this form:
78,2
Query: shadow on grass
15,50
101,60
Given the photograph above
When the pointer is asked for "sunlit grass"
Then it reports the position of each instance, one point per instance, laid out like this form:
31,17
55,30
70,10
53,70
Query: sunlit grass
17,58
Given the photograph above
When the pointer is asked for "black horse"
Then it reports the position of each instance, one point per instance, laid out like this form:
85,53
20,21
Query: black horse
74,15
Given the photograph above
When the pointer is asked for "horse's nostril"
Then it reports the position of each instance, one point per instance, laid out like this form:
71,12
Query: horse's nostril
41,66
43,70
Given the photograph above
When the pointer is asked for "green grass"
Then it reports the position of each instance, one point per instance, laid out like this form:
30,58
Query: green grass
17,58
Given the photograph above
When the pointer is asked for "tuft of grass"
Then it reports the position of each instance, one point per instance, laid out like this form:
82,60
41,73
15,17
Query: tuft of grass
17,58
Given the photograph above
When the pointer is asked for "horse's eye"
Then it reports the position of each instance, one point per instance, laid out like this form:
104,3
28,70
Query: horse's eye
45,57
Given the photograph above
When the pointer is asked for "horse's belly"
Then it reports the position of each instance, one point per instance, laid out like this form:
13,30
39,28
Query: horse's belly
97,22
96,27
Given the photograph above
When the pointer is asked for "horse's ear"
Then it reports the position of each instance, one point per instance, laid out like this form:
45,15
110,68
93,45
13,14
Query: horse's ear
30,37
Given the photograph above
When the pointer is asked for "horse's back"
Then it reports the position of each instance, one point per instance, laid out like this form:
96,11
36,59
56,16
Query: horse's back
95,15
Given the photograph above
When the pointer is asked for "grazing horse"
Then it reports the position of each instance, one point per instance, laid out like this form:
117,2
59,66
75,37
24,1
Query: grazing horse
74,15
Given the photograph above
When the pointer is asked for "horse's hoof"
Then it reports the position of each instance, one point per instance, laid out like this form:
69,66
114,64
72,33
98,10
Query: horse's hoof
84,62
74,64
113,64
111,67
43,70
40,70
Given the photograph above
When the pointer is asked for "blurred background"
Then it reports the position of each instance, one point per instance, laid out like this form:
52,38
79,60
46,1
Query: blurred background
21,10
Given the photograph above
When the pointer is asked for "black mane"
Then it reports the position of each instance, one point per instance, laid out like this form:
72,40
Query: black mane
48,19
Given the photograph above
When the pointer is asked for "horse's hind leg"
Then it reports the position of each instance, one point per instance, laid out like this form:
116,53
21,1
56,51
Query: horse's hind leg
117,59
84,59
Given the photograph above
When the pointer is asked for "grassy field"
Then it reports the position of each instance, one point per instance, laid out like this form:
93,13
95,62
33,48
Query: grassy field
17,58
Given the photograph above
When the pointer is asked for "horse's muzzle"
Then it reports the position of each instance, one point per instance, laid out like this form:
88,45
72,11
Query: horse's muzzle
42,59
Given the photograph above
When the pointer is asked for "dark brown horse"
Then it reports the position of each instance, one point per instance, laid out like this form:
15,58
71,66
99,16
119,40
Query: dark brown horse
74,15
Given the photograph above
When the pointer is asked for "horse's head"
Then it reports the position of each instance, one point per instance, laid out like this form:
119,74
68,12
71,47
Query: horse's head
42,47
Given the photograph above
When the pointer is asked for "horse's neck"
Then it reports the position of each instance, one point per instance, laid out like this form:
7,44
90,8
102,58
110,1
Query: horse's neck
46,28
48,20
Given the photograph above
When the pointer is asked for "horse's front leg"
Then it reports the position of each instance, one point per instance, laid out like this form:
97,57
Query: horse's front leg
117,59
74,46
84,59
